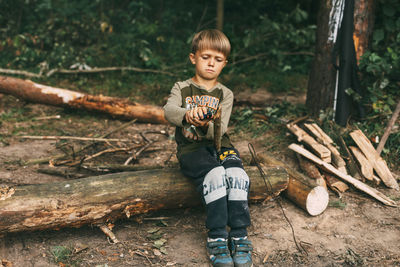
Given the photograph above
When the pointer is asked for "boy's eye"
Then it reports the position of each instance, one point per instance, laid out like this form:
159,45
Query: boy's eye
204,57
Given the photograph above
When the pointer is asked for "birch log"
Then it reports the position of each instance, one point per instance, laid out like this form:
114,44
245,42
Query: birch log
116,107
99,199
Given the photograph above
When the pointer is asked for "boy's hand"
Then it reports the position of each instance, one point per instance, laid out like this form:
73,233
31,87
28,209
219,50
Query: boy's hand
196,116
190,135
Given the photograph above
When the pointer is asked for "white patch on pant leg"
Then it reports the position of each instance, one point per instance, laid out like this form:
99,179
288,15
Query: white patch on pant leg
214,185
238,183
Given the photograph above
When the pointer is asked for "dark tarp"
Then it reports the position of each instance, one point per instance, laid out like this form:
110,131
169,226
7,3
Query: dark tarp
348,69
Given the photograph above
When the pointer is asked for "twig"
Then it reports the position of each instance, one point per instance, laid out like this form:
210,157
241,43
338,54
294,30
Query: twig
388,129
119,168
109,233
93,139
137,153
60,156
93,70
21,72
109,150
46,118
105,69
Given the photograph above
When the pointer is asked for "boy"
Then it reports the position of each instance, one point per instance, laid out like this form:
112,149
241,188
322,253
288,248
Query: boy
219,177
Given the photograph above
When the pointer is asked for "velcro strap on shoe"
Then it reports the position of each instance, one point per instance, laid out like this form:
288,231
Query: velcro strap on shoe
218,247
243,245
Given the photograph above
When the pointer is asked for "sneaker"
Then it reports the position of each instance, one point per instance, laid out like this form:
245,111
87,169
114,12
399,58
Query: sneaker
219,253
241,252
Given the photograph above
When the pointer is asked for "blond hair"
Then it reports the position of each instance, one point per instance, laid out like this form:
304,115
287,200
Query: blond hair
211,39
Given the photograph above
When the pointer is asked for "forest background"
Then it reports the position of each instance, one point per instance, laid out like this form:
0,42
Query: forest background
273,47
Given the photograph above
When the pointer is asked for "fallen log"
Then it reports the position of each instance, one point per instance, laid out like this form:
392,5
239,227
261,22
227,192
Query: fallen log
116,107
356,183
100,199
304,192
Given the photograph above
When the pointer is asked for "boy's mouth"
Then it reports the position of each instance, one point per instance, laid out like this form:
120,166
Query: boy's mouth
209,70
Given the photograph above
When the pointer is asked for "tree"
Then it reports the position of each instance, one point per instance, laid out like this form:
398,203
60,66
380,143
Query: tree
322,79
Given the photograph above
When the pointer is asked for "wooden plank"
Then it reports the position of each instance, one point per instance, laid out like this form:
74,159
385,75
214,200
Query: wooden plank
373,157
324,139
356,183
366,168
321,151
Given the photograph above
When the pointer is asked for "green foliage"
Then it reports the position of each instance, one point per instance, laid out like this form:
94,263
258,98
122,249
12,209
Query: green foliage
380,67
63,255
43,34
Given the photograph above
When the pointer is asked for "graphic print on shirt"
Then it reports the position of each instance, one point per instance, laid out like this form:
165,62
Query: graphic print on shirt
202,101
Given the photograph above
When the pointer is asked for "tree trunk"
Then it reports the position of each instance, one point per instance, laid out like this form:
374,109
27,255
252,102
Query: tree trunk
363,25
220,15
95,200
321,81
116,107
322,78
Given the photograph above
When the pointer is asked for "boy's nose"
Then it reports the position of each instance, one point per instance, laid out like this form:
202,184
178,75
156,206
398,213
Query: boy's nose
211,62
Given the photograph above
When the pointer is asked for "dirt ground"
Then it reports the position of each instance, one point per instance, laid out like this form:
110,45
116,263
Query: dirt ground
353,231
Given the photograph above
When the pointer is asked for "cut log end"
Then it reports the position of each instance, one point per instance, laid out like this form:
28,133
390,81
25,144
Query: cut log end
317,200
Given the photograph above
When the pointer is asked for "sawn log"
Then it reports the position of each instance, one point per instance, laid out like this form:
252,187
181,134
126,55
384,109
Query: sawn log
99,199
116,107
304,192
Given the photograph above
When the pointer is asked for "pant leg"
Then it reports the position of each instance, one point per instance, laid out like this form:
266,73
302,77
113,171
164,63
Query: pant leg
210,180
238,191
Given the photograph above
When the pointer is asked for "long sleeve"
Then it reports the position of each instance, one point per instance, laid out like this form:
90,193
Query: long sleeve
173,110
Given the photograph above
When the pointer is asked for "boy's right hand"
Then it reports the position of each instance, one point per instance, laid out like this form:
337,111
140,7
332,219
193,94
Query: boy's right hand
196,116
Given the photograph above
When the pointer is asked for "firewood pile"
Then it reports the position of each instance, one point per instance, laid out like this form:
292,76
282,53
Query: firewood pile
357,164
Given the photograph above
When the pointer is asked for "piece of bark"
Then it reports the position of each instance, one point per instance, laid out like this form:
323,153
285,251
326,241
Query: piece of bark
335,184
366,168
388,129
311,170
373,157
303,191
324,139
116,107
99,199
356,183
321,151
351,162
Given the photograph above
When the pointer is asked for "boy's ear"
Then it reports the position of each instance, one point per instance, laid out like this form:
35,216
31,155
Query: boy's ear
192,58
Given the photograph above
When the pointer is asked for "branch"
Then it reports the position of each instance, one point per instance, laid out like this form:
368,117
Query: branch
73,138
94,70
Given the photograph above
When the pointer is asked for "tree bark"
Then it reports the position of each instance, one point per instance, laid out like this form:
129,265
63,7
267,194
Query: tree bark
363,25
99,199
321,81
116,107
322,78
220,15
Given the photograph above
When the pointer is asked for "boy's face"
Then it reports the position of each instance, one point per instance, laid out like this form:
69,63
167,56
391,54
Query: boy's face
209,63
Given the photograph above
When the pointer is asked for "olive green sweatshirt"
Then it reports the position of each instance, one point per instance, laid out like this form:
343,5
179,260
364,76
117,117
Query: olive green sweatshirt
186,95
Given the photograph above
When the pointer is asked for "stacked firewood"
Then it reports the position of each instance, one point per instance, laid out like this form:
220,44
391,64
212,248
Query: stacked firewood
359,165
